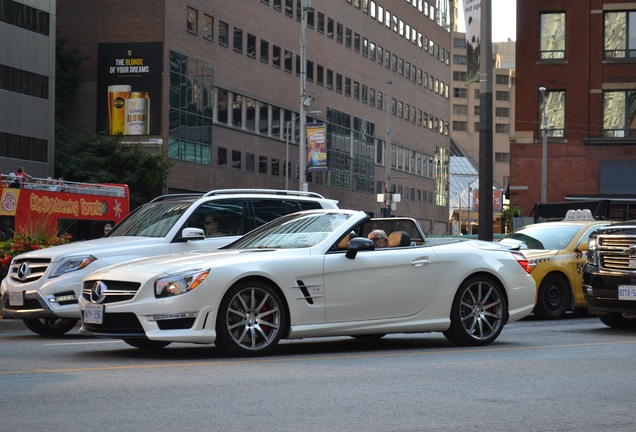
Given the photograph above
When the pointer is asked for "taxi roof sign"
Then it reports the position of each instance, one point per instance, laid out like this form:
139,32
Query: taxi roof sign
578,214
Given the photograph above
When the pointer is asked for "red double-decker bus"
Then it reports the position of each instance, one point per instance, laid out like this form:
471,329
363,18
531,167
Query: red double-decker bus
82,210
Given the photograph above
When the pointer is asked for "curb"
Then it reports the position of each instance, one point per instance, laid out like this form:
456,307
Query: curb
11,324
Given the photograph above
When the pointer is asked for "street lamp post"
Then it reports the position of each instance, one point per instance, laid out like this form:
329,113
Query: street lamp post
300,149
544,149
304,100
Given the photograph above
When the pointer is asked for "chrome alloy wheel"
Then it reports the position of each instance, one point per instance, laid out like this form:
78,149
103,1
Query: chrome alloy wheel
252,320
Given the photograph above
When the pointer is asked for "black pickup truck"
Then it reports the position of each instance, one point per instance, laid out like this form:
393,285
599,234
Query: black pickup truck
609,275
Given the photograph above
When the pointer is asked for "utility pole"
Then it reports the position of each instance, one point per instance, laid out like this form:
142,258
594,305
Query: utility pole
304,101
388,193
485,126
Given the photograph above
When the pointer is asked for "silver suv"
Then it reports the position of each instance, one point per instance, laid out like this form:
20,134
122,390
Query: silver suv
42,286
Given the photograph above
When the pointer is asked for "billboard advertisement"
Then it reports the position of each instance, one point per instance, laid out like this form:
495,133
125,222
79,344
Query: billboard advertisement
316,147
129,88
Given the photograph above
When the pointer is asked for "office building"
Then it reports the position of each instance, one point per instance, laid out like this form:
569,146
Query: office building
217,85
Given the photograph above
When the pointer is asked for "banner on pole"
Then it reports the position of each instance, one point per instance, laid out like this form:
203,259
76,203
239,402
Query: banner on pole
316,147
472,16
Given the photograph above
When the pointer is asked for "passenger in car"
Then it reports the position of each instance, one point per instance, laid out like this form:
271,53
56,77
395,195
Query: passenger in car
379,237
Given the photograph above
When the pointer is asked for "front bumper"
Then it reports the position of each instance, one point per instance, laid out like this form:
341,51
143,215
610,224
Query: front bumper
35,306
600,290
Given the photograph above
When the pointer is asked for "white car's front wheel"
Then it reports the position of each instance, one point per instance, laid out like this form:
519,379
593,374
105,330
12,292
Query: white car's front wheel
478,312
251,320
50,326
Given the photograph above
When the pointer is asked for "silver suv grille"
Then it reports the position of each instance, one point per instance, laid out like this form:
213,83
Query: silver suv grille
28,270
617,252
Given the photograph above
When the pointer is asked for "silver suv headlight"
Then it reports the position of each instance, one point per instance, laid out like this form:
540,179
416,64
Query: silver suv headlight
180,283
71,264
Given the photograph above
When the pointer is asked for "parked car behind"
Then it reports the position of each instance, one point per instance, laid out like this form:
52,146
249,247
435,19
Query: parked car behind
42,286
557,252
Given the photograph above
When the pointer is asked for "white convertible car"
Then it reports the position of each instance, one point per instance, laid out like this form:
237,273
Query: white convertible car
312,274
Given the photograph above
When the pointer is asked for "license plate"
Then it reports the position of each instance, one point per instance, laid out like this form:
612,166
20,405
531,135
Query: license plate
94,314
627,292
16,298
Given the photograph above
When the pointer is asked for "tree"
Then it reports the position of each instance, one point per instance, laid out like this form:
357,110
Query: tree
91,158
94,159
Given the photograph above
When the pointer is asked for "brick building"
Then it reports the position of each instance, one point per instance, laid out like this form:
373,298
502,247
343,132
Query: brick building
221,79
582,53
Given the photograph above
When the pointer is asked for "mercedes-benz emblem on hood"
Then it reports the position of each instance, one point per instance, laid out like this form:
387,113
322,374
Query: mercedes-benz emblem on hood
98,292
24,271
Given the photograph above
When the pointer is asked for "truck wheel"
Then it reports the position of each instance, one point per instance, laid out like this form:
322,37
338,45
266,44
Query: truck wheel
552,298
617,320
50,326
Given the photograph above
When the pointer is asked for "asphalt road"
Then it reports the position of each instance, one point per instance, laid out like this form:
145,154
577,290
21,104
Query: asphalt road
566,375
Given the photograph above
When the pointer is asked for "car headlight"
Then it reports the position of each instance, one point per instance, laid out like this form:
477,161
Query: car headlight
591,251
180,283
71,264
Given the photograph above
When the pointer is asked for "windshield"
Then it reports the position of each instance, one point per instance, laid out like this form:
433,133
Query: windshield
293,231
542,237
151,220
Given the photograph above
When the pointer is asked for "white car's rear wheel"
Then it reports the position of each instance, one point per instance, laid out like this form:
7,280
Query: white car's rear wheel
478,312
251,320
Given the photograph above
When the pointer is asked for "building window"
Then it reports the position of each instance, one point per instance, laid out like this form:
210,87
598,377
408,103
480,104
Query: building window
224,31
554,113
249,162
619,114
264,51
330,27
502,79
276,56
338,83
221,156
460,109
502,128
460,126
347,91
502,157
502,95
289,8
193,20
320,74
238,40
552,34
275,167
329,79
502,112
339,32
236,159
262,164
251,46
620,35
348,37
459,92
208,27
321,22
288,61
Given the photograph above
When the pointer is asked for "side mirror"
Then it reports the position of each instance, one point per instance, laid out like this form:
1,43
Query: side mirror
192,234
358,244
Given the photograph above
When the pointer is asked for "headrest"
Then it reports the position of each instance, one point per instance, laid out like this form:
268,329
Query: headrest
344,243
399,238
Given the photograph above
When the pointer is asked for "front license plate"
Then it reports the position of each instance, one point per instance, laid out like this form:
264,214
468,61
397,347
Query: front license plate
94,314
627,292
16,298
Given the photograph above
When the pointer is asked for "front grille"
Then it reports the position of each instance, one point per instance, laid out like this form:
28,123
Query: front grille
116,323
114,291
616,252
26,270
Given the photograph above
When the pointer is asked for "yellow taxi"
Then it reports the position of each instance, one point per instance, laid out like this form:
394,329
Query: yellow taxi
557,252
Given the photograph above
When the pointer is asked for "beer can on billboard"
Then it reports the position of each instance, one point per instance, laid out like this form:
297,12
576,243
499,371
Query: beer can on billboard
137,112
117,95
